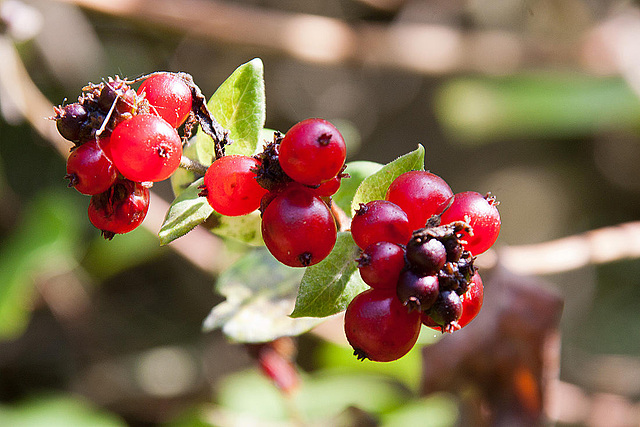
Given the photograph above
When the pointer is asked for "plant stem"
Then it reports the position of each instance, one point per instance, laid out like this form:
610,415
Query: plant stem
192,165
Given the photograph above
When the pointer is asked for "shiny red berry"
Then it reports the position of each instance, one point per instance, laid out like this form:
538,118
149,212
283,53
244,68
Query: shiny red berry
481,213
298,227
312,152
120,209
145,148
420,194
328,188
379,327
231,186
89,170
380,221
169,96
380,265
471,300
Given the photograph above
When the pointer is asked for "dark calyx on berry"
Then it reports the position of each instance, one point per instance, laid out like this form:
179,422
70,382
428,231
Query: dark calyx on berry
270,174
98,111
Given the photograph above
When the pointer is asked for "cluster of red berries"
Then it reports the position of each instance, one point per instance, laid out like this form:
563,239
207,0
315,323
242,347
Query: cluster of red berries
418,246
124,141
291,182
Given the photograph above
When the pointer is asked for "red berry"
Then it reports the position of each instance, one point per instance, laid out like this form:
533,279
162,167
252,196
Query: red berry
120,209
481,213
328,188
231,186
417,292
89,170
312,152
169,96
420,194
298,228
379,327
471,300
380,221
380,265
145,148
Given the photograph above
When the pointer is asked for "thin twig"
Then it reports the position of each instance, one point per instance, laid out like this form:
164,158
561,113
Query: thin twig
192,165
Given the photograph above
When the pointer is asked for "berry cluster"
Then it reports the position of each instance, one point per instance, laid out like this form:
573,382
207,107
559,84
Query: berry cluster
124,141
291,182
418,248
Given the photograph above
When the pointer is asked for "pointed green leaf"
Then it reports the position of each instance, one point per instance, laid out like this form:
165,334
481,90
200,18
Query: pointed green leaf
260,294
329,286
239,106
375,186
358,171
186,212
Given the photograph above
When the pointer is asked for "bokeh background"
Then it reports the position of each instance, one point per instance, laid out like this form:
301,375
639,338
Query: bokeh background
533,100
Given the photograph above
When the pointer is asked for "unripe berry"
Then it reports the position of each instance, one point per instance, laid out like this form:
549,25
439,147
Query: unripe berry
298,228
379,327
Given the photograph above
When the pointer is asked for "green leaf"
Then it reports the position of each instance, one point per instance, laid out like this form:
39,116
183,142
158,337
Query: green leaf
245,228
329,286
358,171
260,294
375,186
186,212
239,106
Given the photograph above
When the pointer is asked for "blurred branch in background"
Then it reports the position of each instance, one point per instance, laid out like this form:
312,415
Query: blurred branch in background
430,49
422,48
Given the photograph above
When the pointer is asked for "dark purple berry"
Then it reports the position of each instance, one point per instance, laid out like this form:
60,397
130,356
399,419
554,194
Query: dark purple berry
426,257
70,120
447,310
417,292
